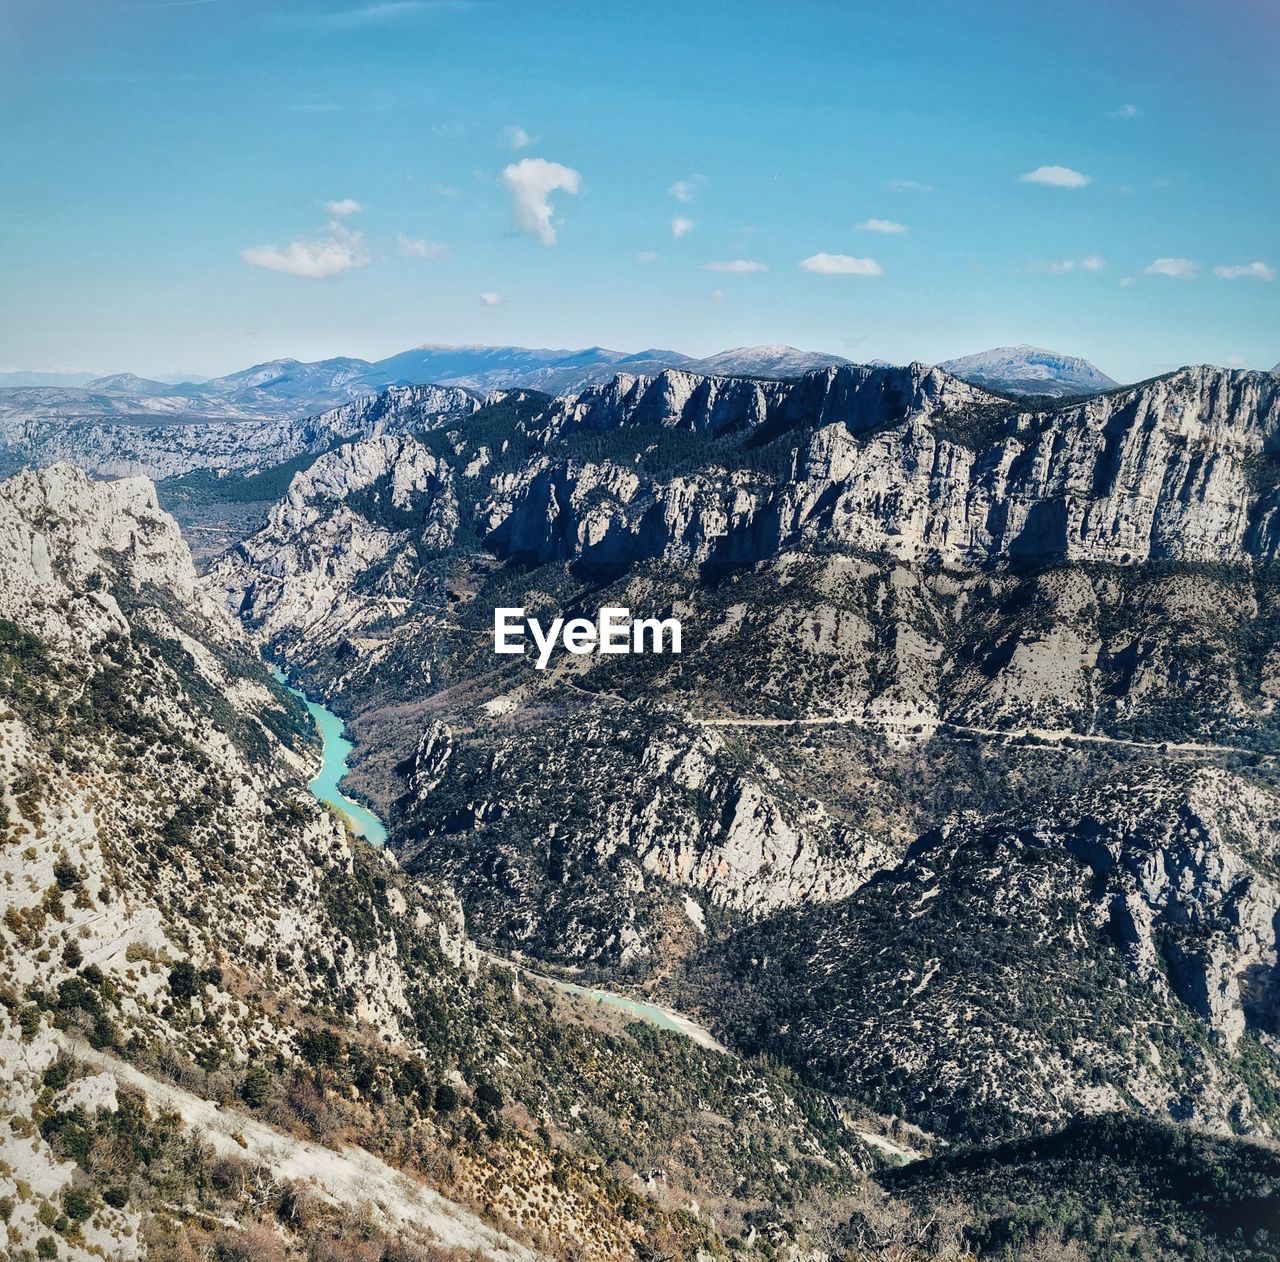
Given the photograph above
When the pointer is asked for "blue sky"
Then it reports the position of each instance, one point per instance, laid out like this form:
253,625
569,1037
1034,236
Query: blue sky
195,185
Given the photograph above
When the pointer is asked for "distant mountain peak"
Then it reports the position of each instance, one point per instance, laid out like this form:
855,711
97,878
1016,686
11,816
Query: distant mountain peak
1026,369
764,361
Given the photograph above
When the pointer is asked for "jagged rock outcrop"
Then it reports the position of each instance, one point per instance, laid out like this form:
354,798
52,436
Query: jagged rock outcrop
379,507
916,464
63,535
909,463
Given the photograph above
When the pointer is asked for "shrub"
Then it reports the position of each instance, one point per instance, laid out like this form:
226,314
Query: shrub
46,1247
66,873
255,1087
253,1244
488,1096
446,1098
319,1047
183,981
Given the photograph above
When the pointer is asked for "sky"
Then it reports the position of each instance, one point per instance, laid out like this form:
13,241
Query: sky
192,186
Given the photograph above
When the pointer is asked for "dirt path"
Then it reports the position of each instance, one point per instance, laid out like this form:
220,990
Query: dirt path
1050,736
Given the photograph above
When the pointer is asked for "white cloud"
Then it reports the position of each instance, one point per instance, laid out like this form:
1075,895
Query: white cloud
446,190
687,190
490,299
1126,111
347,206
1237,361
1056,177
840,265
1058,267
417,248
1177,269
531,182
716,295
738,266
1126,281
646,256
681,227
516,138
340,251
1256,270
909,186
881,225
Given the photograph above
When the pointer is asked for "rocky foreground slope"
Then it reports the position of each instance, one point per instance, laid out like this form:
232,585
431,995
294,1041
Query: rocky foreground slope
961,796
229,1029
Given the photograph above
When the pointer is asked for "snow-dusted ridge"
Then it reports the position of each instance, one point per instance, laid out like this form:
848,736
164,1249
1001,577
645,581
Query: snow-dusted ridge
1030,370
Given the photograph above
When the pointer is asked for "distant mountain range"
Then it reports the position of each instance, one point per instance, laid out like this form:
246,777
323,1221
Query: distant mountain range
290,388
293,388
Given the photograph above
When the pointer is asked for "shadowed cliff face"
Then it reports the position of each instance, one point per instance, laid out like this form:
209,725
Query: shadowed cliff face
906,462
935,643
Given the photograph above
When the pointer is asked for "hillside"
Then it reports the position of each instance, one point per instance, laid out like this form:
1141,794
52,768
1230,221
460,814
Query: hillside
190,941
971,745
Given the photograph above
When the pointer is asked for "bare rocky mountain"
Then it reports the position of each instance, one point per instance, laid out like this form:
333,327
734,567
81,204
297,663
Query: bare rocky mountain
972,834
961,795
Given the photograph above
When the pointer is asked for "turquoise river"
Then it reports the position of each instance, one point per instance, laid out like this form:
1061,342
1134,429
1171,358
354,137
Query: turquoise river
364,823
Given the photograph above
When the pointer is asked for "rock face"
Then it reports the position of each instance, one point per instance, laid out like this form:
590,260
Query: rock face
56,526
971,744
907,462
896,461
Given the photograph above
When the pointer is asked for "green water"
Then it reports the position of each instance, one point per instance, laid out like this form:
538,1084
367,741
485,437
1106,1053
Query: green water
645,1011
652,1013
364,823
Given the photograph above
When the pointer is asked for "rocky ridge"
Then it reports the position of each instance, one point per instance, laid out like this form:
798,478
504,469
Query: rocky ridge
911,610
222,447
